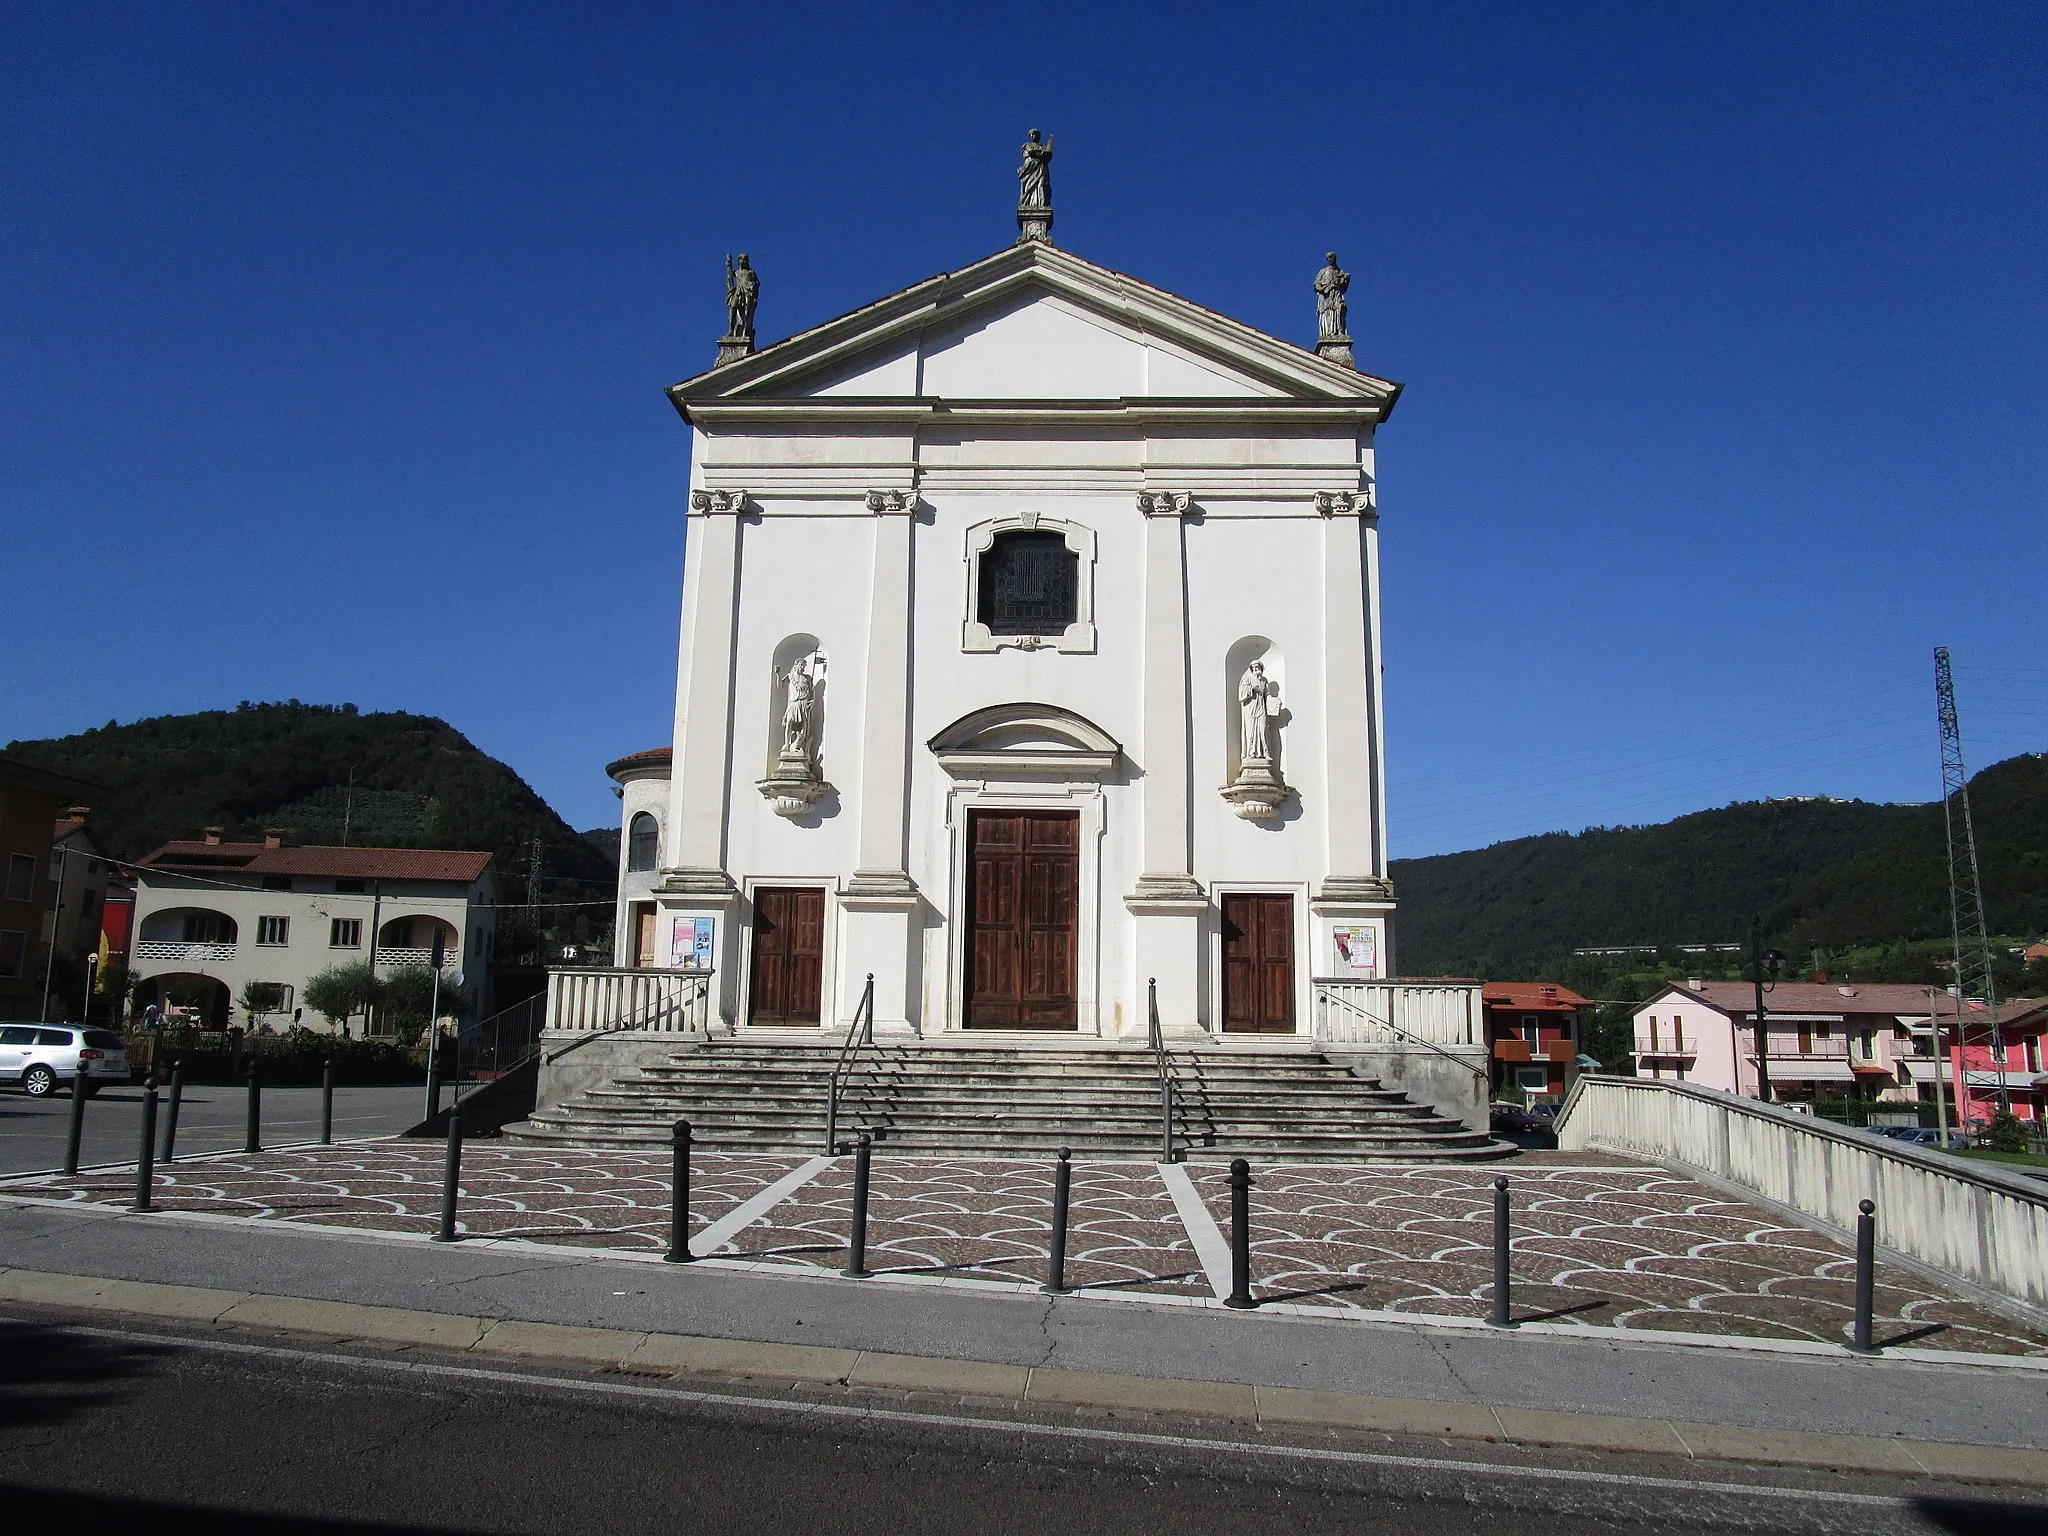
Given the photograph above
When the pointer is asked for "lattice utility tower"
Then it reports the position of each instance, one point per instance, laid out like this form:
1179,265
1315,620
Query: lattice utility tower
1974,985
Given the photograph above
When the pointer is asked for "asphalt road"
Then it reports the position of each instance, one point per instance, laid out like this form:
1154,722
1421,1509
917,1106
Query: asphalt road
104,1430
33,1131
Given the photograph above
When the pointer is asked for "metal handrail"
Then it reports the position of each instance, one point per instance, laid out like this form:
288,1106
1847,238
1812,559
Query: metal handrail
862,1032
1326,997
471,1032
1160,1061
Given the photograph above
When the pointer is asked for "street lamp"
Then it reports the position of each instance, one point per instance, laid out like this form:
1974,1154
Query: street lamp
1760,961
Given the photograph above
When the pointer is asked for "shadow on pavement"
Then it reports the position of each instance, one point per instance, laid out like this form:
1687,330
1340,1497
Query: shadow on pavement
1973,1517
49,1375
42,1509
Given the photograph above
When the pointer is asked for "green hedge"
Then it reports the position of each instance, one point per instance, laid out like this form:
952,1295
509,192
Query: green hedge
294,1057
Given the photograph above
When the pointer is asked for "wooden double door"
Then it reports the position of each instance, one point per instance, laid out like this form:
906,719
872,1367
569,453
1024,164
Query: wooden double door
786,985
1023,885
1258,964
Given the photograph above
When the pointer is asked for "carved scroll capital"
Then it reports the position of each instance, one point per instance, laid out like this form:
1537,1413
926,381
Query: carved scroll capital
884,503
1344,503
717,502
1164,503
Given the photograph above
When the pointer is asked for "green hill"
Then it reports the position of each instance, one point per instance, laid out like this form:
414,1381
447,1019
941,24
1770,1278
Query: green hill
418,783
1825,874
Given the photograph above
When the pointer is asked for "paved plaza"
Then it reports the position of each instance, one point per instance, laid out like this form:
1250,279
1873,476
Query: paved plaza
1598,1241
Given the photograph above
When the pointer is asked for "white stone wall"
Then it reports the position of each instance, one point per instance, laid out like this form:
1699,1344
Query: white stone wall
818,551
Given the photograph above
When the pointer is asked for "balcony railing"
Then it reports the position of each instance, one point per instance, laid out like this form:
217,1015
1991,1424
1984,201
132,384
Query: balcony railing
178,949
399,955
584,1000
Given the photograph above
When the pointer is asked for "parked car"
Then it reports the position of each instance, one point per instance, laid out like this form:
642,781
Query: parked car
1523,1119
43,1057
1923,1136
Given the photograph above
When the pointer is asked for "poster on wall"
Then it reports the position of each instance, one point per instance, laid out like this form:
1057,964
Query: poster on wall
1358,952
689,947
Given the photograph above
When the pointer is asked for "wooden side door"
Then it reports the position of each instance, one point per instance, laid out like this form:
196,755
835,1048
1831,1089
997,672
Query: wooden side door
1023,894
786,988
1258,964
643,935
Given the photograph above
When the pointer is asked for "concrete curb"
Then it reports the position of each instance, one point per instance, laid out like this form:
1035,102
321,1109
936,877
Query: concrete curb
662,1354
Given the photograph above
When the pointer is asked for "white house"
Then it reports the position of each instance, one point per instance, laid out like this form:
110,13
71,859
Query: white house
230,913
1030,652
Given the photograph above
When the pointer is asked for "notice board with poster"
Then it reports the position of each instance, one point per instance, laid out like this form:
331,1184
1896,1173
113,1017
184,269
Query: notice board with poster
1358,949
690,943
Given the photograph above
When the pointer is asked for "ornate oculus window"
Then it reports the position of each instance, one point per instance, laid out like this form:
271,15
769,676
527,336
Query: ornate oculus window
1030,584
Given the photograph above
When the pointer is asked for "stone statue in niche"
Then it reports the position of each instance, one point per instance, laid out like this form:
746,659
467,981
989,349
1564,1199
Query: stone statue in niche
1258,696
1257,793
796,713
794,783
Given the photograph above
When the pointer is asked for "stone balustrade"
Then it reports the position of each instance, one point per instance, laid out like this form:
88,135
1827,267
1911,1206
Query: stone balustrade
1359,1012
582,1000
1974,1221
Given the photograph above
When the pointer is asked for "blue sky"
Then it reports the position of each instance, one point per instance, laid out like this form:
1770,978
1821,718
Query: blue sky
332,342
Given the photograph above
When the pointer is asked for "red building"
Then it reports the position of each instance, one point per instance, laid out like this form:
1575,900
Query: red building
1532,1035
1974,1070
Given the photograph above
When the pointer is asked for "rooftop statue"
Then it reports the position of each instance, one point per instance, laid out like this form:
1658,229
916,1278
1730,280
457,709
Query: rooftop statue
1333,313
742,293
1034,190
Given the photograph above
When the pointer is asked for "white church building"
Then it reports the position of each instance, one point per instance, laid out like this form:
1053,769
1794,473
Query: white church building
1030,657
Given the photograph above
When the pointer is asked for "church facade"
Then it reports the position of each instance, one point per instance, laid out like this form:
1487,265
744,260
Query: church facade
1029,658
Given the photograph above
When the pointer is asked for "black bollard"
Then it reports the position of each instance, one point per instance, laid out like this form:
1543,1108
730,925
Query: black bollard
77,1120
857,1245
451,1176
1502,1300
327,1104
1240,1235
252,1141
679,1198
145,1169
171,1112
1866,1276
1062,1181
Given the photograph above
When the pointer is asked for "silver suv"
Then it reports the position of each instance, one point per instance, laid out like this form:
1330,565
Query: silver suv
40,1056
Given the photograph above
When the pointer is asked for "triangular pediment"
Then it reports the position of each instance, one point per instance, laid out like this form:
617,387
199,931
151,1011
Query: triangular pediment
1034,323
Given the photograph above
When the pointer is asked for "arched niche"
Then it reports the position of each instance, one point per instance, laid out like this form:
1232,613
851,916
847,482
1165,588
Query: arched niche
1236,662
795,648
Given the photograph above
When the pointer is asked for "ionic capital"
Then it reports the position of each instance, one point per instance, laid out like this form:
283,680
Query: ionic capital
1164,503
715,502
886,503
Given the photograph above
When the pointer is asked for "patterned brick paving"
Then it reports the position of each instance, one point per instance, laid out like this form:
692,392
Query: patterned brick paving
1619,1246
991,1219
1597,1241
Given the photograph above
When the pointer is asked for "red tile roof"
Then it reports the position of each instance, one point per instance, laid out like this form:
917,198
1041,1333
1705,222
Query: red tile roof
653,757
1533,996
1805,997
456,865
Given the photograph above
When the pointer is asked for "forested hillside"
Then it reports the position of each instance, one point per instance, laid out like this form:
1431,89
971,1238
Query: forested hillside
418,783
1824,874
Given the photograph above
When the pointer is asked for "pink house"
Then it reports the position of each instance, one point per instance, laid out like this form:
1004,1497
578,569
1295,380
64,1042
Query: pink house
1827,1040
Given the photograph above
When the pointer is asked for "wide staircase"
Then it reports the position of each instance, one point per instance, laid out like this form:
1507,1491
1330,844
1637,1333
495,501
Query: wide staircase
740,1095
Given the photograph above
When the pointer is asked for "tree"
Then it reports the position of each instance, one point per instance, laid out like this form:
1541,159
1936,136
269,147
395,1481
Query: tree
408,996
259,998
343,990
